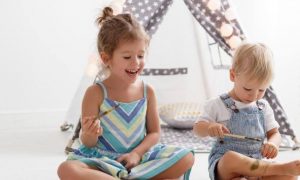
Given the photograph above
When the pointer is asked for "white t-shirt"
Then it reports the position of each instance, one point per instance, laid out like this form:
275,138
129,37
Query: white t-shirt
216,111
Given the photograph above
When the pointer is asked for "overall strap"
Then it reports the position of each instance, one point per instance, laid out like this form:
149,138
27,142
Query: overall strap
260,105
229,103
103,88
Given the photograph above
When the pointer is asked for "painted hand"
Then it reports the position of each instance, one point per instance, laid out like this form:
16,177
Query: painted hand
269,150
217,130
91,126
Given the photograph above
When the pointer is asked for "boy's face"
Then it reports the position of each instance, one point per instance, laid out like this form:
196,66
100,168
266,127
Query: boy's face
247,91
128,60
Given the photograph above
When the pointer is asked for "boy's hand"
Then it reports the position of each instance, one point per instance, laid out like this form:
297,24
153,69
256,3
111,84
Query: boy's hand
91,126
217,130
269,150
129,160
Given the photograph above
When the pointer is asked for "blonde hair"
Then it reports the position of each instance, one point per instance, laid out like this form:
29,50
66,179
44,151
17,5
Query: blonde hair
117,28
254,60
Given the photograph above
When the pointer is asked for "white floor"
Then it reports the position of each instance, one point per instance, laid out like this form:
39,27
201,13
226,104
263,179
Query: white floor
32,146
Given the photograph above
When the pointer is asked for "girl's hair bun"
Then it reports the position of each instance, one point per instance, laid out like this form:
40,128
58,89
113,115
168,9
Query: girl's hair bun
107,13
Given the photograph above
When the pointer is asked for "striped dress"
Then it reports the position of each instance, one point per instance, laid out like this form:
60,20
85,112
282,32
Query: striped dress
123,130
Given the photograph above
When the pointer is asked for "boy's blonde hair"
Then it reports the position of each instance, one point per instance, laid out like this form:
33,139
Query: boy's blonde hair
254,60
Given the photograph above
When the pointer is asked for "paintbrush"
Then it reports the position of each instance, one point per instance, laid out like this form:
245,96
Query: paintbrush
78,127
106,112
242,137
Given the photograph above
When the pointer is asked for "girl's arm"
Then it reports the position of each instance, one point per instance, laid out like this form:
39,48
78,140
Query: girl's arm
90,127
152,124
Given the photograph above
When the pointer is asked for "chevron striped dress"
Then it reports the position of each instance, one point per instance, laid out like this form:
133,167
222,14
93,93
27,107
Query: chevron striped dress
123,130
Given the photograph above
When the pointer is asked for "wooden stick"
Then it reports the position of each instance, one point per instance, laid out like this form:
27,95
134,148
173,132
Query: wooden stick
242,137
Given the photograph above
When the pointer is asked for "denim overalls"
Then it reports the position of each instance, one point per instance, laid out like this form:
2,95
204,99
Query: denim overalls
247,122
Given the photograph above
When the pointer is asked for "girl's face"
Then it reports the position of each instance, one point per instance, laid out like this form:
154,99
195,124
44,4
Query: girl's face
128,60
246,91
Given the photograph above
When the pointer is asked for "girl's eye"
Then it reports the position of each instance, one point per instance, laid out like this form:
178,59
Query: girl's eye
247,89
141,57
261,90
127,57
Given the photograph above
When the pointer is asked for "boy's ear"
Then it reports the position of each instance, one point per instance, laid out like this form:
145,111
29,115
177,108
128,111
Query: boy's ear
104,57
232,75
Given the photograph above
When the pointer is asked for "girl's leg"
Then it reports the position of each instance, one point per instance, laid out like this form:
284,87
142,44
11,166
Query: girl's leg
234,164
178,169
76,170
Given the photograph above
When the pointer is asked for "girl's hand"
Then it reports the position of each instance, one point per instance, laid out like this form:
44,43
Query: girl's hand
217,130
91,126
269,150
129,160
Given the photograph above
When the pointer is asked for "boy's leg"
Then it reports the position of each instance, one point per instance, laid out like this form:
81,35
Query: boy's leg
178,169
279,178
75,170
234,164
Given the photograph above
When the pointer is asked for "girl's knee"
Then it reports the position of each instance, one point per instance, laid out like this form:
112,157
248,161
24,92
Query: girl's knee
62,168
189,160
65,169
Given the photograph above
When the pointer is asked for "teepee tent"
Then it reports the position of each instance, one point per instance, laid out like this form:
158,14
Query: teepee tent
187,56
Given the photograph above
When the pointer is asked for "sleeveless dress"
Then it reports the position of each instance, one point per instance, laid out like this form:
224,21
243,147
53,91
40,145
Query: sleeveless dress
247,122
123,129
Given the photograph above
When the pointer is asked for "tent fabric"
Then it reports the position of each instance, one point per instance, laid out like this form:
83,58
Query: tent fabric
217,18
218,21
148,12
280,115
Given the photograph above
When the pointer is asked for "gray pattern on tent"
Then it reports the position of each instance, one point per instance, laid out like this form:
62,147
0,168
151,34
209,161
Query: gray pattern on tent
164,72
148,12
212,21
279,113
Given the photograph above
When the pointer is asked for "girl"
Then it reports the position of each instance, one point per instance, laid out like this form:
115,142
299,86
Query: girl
123,143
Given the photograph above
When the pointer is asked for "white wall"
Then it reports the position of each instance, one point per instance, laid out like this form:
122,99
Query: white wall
44,47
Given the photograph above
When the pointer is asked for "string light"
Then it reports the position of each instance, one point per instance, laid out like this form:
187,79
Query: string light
214,5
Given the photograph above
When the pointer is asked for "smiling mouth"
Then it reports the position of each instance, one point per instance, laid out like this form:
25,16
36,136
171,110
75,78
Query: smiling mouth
132,71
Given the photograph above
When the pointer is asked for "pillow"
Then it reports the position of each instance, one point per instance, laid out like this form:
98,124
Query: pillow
180,115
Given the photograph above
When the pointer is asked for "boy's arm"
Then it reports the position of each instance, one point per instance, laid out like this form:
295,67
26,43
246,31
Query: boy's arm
200,128
213,129
274,137
152,124
271,147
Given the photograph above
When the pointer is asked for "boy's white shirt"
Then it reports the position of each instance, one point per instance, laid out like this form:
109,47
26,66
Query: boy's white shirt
216,111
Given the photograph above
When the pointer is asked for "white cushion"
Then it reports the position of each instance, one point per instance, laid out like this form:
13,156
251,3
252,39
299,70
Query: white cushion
180,115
